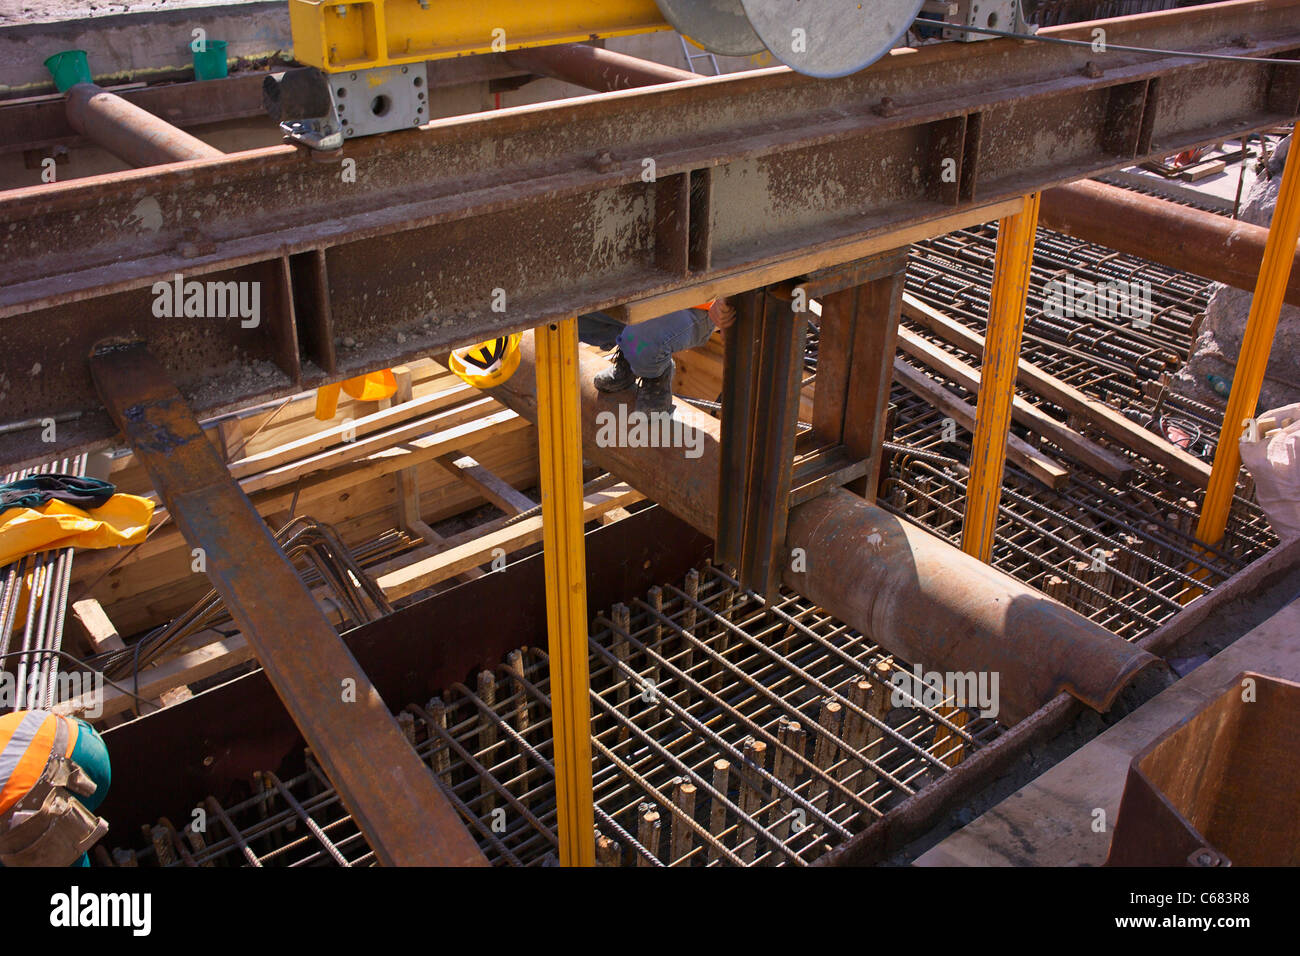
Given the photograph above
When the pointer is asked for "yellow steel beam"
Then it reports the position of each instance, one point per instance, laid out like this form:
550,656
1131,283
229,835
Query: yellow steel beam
1261,323
559,428
339,35
1015,254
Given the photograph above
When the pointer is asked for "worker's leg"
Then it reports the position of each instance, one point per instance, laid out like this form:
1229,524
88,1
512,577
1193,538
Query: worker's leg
599,329
649,345
90,754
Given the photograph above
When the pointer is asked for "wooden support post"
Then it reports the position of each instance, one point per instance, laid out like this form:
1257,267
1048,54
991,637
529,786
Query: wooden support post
408,485
1261,324
560,457
1015,254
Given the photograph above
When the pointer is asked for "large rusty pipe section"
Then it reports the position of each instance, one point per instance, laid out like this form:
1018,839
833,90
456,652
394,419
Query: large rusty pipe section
601,70
1192,240
919,597
130,133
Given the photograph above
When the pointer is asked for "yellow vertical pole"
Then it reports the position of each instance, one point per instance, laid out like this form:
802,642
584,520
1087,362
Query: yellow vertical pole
1261,323
1015,254
559,428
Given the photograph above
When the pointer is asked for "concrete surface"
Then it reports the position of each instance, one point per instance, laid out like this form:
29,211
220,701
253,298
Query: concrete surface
1050,822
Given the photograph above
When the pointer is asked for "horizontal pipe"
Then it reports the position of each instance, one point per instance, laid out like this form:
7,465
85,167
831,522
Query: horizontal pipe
1181,237
916,595
130,133
601,70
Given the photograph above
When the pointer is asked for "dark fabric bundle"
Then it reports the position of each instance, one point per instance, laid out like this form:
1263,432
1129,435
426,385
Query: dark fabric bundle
83,493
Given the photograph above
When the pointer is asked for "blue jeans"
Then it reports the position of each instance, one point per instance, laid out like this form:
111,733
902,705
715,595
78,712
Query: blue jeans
648,346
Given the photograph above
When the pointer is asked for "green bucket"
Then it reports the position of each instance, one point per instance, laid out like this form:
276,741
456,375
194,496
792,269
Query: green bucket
211,63
68,69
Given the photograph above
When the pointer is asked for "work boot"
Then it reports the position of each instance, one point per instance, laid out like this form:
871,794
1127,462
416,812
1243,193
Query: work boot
615,378
656,394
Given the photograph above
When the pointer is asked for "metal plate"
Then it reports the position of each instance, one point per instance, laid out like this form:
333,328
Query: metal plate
380,100
720,26
830,38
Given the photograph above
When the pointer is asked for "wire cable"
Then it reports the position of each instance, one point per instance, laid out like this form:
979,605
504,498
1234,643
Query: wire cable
81,663
1112,47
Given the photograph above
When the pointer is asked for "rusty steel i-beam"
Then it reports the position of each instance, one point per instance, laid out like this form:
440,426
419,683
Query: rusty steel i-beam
760,170
385,786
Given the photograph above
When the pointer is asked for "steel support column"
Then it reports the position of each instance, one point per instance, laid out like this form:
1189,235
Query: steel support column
559,437
385,786
760,402
855,362
988,457
1257,342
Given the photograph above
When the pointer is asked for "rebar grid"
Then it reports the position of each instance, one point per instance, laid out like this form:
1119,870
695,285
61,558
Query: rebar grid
726,731
1119,556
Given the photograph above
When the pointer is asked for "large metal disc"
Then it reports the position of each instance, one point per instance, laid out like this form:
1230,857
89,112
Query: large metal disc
720,26
830,38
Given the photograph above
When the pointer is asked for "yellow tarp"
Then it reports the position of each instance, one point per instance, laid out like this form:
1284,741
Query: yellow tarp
123,519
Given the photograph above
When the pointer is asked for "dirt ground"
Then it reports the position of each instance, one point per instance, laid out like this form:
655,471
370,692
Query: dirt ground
13,12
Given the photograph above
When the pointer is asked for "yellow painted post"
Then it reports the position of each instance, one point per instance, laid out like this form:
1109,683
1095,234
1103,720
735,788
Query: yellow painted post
1261,324
559,428
1015,254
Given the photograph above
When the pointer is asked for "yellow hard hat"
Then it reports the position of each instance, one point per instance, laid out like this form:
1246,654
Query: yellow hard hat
487,363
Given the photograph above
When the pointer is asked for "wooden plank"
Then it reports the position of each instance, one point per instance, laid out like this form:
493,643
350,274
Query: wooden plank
155,681
98,629
1106,419
300,449
501,494
1033,461
1104,462
403,580
337,481
352,451
408,485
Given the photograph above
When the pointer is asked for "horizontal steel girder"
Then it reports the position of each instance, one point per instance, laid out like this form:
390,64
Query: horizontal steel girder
478,224
918,596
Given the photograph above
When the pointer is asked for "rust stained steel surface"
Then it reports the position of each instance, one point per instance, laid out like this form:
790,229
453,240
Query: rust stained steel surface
548,204
1181,237
595,68
129,132
918,596
396,803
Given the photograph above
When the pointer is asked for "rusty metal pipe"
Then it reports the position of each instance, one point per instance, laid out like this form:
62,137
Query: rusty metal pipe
918,596
601,70
130,133
1203,243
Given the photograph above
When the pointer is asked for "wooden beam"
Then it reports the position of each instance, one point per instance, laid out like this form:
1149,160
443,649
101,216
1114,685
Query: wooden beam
1104,462
1029,458
155,681
302,448
1127,432
99,631
399,580
499,492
